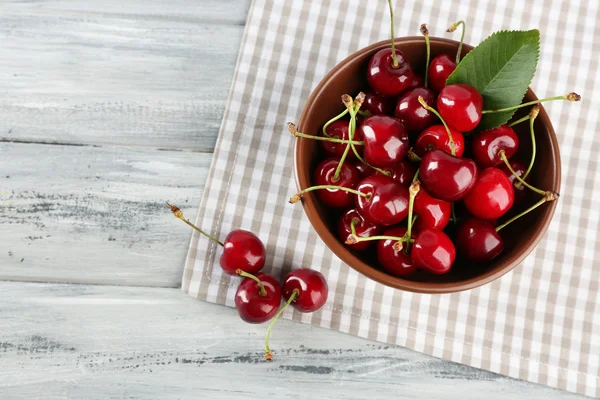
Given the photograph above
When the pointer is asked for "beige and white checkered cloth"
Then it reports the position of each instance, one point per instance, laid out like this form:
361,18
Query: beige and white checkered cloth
540,322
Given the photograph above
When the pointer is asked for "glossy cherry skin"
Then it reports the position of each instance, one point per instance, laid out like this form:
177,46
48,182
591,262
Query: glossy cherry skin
363,228
445,176
386,140
339,129
387,203
402,172
478,240
242,250
411,113
436,137
519,190
251,306
377,105
433,213
487,144
418,81
460,106
492,195
439,70
433,251
349,177
312,288
394,262
386,80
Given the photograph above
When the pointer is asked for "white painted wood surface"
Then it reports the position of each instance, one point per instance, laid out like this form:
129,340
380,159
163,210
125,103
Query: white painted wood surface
109,108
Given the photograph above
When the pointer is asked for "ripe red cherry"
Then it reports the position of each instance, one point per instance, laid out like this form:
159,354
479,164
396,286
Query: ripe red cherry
436,137
491,196
311,286
384,78
460,105
387,203
439,70
433,213
418,81
411,113
478,240
487,144
362,227
445,176
519,168
377,105
364,169
242,250
402,172
386,141
349,177
393,261
254,307
339,129
433,251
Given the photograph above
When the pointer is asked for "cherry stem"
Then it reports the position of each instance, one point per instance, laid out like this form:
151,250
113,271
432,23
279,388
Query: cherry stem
394,59
262,292
346,99
525,118
548,196
431,109
296,198
425,32
532,115
412,190
352,224
353,239
332,120
452,28
521,181
364,113
179,214
268,353
570,97
415,177
293,131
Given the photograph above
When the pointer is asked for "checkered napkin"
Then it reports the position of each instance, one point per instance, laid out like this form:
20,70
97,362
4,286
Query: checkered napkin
540,322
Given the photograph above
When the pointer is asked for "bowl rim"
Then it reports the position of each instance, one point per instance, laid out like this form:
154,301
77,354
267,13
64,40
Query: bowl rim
370,272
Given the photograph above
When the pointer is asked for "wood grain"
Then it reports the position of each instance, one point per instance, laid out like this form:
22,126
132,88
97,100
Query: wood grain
153,74
101,342
96,215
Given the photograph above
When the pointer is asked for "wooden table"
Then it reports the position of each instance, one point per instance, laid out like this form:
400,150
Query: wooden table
109,108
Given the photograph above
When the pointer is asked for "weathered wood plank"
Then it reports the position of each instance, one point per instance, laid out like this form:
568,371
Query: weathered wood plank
99,342
149,73
96,215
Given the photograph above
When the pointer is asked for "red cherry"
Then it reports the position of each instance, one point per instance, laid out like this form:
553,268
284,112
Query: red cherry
394,262
418,81
362,227
364,169
386,141
478,240
349,177
491,196
402,172
519,190
460,106
384,78
487,144
311,286
339,129
436,137
445,176
411,113
433,213
377,105
387,201
242,250
439,70
254,307
433,251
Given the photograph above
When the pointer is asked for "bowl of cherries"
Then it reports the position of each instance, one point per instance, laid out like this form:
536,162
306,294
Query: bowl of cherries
428,165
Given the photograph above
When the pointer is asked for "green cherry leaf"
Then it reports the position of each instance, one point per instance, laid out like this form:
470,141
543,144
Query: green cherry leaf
501,69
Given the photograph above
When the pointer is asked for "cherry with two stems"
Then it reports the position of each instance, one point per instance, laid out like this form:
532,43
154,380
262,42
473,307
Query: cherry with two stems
304,289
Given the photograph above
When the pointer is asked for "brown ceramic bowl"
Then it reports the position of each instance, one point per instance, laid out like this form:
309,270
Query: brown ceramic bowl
520,238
